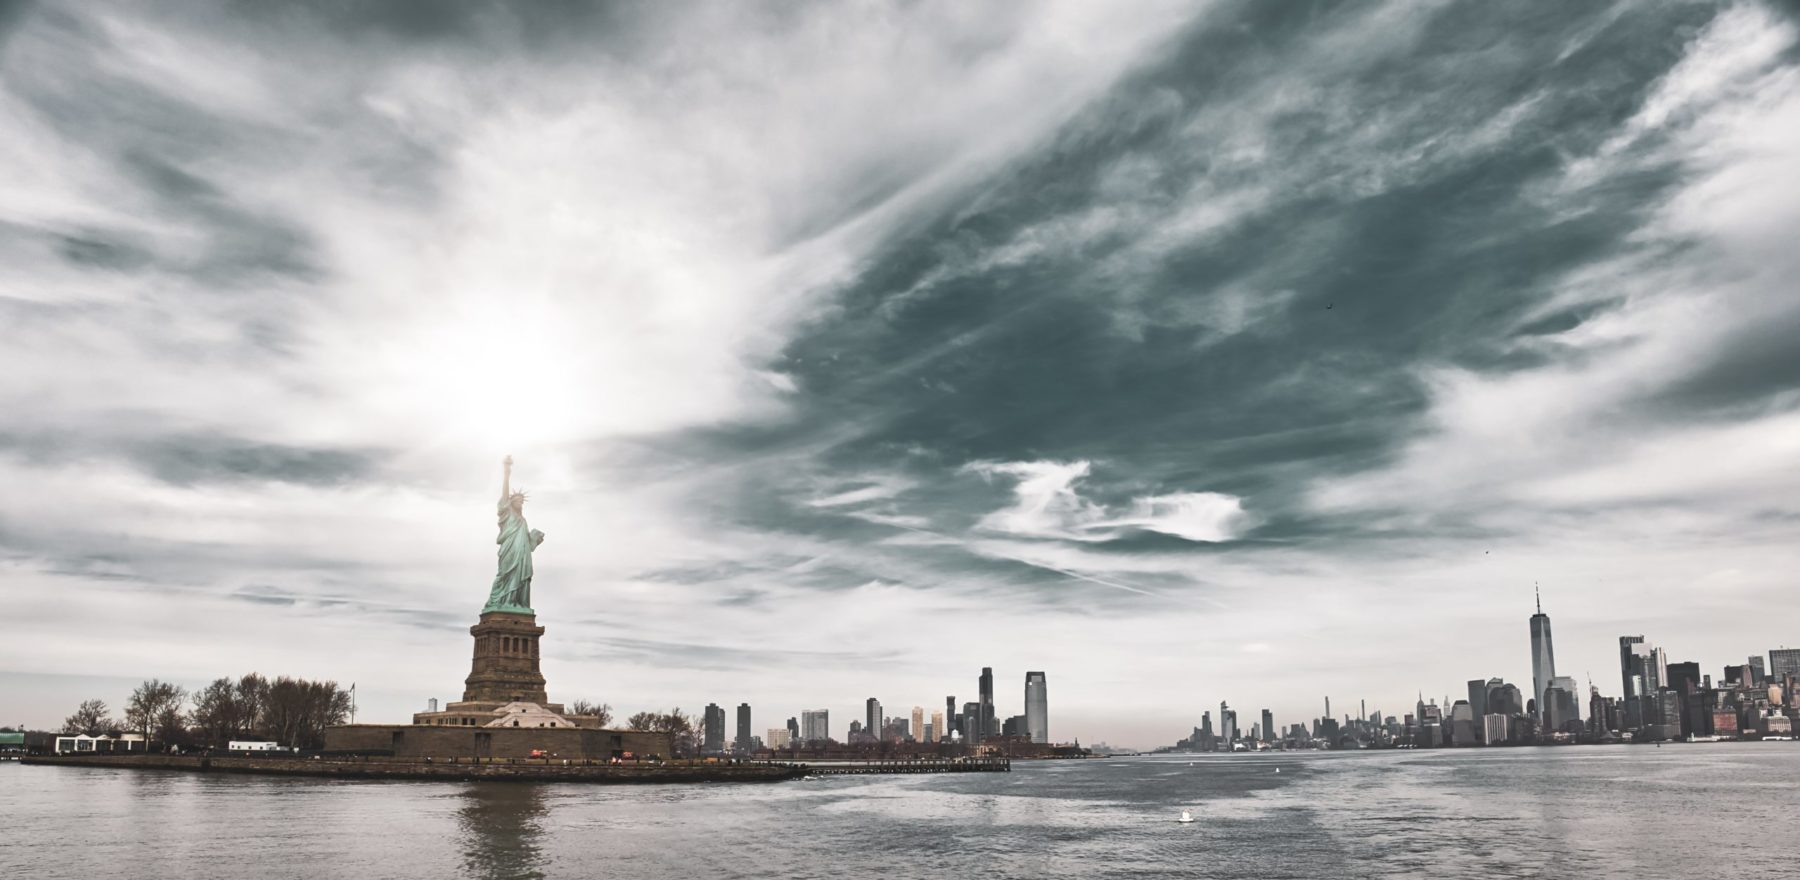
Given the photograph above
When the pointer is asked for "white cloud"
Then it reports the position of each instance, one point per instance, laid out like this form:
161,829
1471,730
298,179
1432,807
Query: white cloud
1047,504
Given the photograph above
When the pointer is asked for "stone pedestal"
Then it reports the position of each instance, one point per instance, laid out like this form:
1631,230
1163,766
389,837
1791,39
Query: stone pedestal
505,668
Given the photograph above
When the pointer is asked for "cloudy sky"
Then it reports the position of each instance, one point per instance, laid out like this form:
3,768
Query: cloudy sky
1187,352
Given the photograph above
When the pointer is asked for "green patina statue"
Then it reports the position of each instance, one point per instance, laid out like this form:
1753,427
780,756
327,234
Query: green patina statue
512,585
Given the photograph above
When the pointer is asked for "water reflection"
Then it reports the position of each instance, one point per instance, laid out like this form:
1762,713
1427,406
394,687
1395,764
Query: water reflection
502,829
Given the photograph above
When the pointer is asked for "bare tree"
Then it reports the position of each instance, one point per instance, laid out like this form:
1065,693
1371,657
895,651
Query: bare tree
216,717
91,717
147,711
685,736
602,711
252,699
298,711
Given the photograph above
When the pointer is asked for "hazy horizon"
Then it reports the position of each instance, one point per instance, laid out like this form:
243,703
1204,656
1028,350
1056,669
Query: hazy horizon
1184,351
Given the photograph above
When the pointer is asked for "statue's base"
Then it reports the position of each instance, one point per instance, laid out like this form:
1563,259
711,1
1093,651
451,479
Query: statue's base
505,665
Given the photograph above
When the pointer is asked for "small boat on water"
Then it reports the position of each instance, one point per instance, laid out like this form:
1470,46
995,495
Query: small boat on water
1185,817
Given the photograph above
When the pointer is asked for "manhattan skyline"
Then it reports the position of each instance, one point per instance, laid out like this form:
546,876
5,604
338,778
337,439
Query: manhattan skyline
1183,352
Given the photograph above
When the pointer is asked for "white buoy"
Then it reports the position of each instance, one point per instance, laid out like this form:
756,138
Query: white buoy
1185,817
1277,769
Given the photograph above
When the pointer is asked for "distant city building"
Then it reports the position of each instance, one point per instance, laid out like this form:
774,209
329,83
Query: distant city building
1494,729
1504,698
936,728
1478,702
1431,726
951,717
1543,655
1037,707
1561,707
1462,725
1759,675
971,722
1783,662
1014,726
1656,671
743,743
1268,726
918,723
1684,678
1662,715
793,728
1599,713
985,721
780,737
872,717
712,732
815,725
1228,728
930,732
1631,653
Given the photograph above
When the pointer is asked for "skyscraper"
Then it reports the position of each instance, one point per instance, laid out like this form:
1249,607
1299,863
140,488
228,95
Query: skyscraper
1656,670
1627,678
1228,732
1268,726
815,725
951,717
793,729
1037,707
743,728
712,732
938,733
872,717
1784,662
1562,706
985,725
1543,656
1478,698
1504,699
918,723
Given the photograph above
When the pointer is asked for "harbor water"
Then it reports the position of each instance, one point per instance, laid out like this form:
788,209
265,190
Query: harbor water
1684,810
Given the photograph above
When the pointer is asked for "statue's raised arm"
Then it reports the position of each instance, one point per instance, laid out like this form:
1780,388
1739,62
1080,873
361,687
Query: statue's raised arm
512,579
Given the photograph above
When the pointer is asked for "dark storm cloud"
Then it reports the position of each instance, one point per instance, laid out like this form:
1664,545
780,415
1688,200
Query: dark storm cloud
1355,268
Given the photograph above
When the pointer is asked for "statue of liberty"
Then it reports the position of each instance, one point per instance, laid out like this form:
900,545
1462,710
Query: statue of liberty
512,584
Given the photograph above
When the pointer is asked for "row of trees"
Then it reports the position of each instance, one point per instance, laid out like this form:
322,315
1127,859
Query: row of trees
290,711
687,735
293,712
602,711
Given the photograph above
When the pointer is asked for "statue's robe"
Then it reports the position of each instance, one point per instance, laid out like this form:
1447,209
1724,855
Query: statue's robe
512,582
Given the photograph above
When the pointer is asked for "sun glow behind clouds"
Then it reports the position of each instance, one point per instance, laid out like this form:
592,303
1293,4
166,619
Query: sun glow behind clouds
492,374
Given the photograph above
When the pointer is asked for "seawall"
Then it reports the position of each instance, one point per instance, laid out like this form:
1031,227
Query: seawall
517,769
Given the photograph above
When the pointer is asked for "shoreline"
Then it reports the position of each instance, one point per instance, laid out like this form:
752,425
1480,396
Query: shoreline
503,769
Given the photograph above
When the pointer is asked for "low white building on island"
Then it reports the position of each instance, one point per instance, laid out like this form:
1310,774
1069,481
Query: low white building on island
81,743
